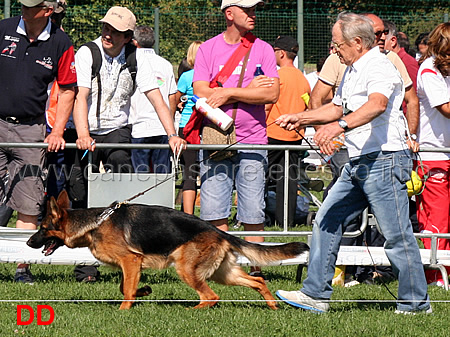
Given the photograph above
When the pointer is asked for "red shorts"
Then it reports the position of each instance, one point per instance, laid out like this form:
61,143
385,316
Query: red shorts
433,205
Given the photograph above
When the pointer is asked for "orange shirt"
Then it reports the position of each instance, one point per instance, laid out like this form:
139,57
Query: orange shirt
293,84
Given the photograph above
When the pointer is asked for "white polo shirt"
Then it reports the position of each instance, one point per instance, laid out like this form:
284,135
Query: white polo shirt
373,73
117,88
433,90
143,117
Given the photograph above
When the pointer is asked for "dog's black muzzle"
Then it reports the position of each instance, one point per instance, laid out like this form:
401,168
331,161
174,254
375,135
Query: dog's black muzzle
50,244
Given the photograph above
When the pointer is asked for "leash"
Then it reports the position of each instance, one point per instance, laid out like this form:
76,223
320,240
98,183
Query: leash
378,272
114,206
310,145
425,176
298,132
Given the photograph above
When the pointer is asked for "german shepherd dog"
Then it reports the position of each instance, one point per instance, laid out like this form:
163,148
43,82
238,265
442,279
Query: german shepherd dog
135,237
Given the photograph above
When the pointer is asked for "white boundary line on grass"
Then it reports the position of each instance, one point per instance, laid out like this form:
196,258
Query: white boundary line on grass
163,300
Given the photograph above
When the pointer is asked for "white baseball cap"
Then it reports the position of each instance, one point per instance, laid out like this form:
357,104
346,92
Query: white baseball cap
239,3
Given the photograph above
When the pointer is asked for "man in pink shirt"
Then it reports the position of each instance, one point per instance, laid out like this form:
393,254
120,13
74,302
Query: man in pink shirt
246,170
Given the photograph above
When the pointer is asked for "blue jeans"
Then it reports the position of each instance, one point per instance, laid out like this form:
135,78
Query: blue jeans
151,160
376,179
246,171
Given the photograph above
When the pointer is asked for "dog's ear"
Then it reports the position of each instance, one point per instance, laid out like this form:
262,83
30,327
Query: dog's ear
63,200
53,208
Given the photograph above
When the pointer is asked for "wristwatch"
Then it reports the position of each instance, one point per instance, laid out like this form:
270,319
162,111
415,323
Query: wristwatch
172,135
413,136
343,124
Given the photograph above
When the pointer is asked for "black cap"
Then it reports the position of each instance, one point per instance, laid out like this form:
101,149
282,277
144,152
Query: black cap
287,43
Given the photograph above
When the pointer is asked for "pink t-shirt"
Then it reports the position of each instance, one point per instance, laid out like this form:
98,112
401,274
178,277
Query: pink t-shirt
211,58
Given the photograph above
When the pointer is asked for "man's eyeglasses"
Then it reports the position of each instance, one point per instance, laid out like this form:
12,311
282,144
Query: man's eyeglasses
336,45
381,32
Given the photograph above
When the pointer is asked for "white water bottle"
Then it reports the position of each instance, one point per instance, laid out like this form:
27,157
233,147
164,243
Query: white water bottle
217,116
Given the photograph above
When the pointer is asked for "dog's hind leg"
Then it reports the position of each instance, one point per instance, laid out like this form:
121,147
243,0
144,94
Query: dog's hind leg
131,270
231,274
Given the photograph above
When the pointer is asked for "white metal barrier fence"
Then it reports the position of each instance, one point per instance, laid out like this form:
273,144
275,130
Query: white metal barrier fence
13,248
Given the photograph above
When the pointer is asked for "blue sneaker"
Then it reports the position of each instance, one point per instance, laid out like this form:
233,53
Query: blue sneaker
300,300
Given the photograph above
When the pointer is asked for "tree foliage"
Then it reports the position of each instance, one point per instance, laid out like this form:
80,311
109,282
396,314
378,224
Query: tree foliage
183,21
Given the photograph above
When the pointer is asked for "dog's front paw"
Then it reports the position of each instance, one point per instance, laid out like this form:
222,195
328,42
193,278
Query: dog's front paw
144,291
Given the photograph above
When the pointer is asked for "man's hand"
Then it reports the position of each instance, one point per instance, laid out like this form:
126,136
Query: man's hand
261,81
55,139
55,142
85,143
412,145
219,97
324,137
289,122
177,144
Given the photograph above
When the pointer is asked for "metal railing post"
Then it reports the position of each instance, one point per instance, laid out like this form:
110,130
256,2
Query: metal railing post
7,9
156,30
286,191
300,39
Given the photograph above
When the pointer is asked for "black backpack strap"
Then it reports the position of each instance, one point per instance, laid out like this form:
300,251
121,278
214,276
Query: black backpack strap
96,58
131,63
95,72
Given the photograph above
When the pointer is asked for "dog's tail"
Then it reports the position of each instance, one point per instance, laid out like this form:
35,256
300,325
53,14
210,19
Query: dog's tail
265,254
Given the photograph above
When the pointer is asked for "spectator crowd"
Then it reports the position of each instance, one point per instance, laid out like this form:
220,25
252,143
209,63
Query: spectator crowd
386,99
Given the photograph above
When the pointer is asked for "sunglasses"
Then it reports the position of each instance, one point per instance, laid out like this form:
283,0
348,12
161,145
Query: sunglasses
381,32
37,6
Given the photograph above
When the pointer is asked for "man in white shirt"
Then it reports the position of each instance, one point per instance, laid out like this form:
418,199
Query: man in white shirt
367,108
146,128
102,104
107,120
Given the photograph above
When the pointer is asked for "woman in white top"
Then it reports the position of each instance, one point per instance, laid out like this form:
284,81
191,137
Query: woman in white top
433,89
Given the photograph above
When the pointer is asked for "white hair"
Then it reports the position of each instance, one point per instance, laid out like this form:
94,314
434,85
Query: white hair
353,25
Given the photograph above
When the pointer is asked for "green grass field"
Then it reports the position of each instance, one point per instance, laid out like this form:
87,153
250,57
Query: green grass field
92,309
